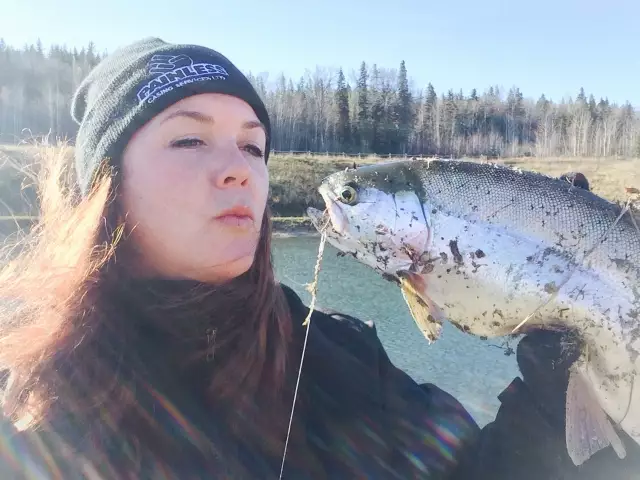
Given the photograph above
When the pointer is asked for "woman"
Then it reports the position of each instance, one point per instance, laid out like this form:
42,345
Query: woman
148,337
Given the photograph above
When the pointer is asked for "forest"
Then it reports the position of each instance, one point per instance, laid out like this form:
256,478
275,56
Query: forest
371,110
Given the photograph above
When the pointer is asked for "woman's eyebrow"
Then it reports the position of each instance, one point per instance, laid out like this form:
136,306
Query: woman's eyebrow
254,124
209,120
197,116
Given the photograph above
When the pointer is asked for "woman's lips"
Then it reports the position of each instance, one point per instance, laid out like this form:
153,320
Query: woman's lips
239,216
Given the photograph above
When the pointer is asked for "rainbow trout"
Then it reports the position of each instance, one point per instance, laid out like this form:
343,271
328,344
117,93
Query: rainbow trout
495,250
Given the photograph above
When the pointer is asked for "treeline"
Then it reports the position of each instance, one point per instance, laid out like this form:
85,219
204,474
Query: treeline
36,89
376,112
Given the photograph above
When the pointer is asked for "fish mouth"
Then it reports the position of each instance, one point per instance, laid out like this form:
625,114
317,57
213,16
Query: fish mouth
332,217
319,218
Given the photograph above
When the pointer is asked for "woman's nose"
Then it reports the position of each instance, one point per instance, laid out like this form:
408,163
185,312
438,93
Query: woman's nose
234,169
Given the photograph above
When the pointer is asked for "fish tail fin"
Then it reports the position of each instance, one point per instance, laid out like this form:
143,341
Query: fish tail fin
588,430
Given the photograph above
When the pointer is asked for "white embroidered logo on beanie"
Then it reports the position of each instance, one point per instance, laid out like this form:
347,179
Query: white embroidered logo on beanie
175,71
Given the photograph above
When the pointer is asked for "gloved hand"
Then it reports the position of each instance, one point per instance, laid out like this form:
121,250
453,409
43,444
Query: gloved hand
544,358
526,440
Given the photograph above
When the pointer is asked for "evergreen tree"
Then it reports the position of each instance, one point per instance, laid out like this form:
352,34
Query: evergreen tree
342,104
403,109
364,113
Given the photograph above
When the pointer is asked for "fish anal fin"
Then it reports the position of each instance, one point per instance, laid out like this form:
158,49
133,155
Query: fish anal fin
427,316
588,430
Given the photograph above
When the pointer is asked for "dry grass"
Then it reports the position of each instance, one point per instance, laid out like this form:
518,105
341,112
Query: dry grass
294,178
607,177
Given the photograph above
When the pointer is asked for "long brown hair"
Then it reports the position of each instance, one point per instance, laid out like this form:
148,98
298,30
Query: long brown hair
56,291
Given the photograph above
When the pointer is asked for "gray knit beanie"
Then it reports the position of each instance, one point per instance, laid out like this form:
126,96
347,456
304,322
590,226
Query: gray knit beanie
135,83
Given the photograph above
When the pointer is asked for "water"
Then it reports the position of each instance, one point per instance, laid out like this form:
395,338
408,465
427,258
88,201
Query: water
472,370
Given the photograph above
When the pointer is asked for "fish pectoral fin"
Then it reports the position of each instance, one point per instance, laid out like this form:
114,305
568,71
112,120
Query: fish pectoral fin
427,316
588,430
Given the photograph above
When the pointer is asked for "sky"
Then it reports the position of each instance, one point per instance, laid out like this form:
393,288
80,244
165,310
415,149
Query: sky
541,46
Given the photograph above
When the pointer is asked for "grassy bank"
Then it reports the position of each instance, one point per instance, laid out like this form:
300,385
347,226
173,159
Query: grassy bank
294,180
293,226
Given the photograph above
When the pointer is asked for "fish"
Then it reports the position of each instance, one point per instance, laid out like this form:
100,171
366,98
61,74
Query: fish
497,250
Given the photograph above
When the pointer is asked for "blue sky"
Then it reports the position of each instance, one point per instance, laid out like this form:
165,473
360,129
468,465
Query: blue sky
541,46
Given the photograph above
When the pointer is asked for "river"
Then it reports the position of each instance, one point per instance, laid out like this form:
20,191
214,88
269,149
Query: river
475,371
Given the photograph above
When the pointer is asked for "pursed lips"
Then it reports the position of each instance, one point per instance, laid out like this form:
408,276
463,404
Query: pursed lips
238,216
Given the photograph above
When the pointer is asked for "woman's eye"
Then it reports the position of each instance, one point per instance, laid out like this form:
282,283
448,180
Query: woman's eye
255,151
187,143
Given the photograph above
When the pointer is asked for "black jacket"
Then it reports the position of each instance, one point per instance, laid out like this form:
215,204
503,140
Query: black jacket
364,418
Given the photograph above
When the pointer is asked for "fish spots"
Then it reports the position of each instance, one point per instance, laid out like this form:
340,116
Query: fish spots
381,229
623,264
633,353
427,268
453,246
461,327
383,260
475,266
479,253
561,238
390,278
578,293
412,253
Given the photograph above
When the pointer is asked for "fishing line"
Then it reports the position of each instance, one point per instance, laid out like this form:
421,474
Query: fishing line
633,386
313,289
633,192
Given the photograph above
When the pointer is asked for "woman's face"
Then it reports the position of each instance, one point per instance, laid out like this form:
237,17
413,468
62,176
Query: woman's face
195,188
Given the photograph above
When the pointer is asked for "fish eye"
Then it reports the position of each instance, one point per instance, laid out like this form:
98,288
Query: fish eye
348,194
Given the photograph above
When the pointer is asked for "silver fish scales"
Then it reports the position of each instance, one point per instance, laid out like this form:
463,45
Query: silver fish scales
491,249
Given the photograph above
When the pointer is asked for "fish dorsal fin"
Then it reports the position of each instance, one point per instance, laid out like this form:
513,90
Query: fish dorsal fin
426,315
588,430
